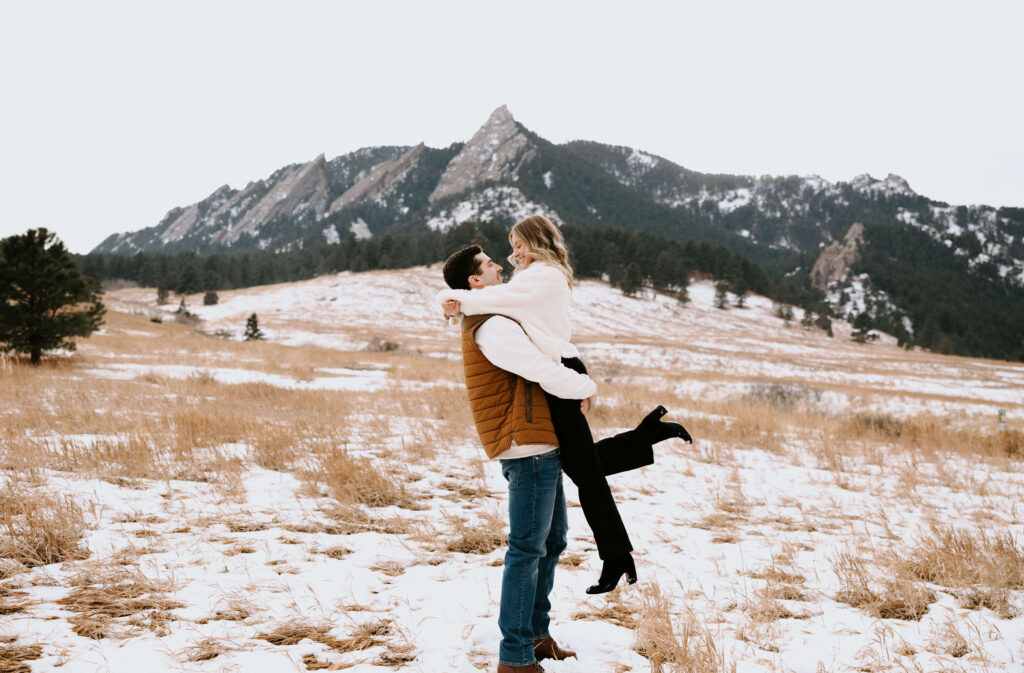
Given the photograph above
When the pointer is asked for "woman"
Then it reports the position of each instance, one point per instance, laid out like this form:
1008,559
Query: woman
538,297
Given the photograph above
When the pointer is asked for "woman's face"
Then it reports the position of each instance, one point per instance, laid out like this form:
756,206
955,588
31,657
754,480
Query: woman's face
520,252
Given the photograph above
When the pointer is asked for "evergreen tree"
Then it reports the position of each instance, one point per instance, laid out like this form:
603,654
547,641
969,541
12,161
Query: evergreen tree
252,328
162,295
210,298
862,328
40,289
683,282
631,280
785,313
722,294
824,323
807,322
740,289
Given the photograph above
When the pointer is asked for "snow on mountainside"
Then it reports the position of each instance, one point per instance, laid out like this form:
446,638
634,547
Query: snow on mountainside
504,203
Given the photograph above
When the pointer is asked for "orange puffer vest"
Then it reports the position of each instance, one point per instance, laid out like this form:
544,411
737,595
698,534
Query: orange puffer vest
505,406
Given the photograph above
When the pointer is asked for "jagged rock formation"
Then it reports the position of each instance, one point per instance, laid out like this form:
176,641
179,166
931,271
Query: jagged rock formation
494,153
834,262
892,184
276,212
299,191
380,181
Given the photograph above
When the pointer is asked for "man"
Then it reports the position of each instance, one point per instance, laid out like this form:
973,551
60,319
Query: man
512,418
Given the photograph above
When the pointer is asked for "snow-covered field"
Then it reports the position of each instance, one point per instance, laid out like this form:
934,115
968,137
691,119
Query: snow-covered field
824,473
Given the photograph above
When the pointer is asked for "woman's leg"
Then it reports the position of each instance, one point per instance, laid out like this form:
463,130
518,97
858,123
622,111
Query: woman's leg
580,461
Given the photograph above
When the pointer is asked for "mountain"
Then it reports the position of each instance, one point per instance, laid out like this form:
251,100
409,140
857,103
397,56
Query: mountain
829,238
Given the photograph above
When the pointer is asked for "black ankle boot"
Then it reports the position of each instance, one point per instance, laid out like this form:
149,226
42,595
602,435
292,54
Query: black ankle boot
613,570
655,430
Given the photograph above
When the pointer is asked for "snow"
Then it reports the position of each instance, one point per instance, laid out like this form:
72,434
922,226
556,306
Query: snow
445,605
331,235
547,180
733,199
360,229
341,379
641,162
502,202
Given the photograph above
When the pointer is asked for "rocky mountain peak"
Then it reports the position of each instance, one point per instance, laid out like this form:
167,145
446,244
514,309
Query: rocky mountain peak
834,262
892,184
495,152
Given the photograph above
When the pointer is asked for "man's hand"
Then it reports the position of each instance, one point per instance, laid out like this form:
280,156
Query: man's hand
585,405
451,308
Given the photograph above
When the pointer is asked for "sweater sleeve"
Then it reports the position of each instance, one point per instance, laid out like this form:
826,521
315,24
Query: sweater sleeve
515,298
506,345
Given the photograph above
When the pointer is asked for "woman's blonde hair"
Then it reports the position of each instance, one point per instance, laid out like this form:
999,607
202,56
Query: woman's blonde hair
544,243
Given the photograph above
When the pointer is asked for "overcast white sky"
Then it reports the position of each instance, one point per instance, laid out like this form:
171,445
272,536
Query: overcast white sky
112,113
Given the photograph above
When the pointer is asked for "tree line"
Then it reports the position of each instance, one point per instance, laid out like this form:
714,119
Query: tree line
627,259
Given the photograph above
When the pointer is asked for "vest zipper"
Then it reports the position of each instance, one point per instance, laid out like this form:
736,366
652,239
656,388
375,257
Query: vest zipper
529,403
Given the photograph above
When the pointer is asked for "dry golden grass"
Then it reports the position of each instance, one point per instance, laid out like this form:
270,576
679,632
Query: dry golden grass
38,529
12,657
206,649
983,566
675,643
482,538
889,596
116,591
352,519
237,609
355,480
363,637
612,609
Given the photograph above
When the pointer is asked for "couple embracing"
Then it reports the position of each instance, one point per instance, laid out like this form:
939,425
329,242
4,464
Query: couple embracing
529,393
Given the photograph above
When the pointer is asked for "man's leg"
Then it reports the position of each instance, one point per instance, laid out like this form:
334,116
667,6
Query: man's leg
581,463
555,545
531,500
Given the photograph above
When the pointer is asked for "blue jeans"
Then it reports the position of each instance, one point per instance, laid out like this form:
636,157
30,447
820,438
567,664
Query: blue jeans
538,525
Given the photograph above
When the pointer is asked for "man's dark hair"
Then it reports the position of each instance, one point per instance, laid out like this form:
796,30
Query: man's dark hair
460,266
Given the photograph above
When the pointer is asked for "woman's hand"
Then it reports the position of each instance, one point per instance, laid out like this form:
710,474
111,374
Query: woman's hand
451,308
587,404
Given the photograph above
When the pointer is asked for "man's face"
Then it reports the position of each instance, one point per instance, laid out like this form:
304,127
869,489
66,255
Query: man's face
490,272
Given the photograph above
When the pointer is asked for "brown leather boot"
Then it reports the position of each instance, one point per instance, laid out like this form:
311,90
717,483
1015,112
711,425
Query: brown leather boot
529,668
547,648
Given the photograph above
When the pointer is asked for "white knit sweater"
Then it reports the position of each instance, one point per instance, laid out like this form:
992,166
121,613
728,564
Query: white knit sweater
537,297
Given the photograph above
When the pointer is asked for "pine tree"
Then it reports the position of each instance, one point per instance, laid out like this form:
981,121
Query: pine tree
683,282
40,288
807,322
252,328
162,295
785,313
631,280
862,328
722,294
824,323
210,298
740,289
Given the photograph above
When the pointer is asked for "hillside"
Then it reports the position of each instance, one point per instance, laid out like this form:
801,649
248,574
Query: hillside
319,499
506,171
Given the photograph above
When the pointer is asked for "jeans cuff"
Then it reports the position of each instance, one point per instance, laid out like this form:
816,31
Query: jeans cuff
532,660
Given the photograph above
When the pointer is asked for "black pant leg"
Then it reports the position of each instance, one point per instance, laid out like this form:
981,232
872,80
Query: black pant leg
581,462
623,452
